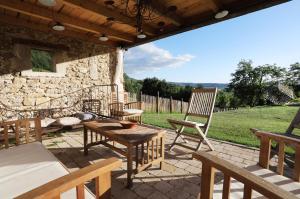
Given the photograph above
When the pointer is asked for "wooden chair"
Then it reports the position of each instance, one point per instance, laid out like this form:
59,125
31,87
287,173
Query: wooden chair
201,104
254,180
124,110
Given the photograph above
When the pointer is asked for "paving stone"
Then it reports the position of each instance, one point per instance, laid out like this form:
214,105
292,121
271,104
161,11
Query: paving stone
144,190
157,195
163,186
178,194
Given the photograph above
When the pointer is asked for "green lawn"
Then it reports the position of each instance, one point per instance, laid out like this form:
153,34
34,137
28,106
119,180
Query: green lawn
234,125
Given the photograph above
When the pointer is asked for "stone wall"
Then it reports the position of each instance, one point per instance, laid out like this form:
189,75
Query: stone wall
79,65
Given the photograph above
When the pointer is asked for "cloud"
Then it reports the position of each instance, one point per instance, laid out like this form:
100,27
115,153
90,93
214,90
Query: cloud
149,57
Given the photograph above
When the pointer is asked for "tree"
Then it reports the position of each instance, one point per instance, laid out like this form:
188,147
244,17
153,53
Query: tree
250,83
132,85
293,77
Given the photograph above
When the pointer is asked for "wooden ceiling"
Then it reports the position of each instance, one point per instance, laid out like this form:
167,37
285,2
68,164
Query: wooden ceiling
88,19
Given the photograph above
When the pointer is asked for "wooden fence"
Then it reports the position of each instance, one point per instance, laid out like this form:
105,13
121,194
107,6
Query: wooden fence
159,104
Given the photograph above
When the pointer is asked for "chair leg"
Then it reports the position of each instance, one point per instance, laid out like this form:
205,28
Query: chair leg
178,132
204,138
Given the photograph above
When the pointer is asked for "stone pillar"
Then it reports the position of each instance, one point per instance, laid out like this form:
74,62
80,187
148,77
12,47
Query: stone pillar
118,77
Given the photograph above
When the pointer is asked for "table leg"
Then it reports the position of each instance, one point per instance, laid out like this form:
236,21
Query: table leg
129,166
162,139
85,137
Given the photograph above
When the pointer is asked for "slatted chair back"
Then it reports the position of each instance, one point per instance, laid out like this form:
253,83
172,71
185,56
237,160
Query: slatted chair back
121,97
92,105
295,124
20,131
202,102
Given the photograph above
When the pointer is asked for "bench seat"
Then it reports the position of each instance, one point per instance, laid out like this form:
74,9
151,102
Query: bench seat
237,188
25,167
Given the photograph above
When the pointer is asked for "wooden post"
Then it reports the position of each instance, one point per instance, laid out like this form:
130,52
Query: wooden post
207,181
171,105
141,93
157,102
181,105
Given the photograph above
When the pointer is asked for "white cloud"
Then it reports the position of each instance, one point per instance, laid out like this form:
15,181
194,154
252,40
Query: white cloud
149,57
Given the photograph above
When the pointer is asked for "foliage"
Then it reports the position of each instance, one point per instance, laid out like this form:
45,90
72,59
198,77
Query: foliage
234,125
132,85
41,60
293,77
153,86
250,83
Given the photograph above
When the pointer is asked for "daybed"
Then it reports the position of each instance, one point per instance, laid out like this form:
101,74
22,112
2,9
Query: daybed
31,171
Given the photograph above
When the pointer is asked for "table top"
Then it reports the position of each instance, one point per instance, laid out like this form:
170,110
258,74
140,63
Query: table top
114,130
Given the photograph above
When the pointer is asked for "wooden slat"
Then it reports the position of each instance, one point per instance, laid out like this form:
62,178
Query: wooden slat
80,191
297,164
143,155
281,154
148,152
46,14
226,187
27,129
17,133
38,129
264,153
152,154
5,132
247,192
103,186
207,181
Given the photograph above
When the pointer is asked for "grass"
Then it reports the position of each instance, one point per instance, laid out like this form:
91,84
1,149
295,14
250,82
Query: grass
233,126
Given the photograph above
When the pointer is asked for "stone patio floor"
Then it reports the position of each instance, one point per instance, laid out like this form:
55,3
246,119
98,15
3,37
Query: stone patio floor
180,177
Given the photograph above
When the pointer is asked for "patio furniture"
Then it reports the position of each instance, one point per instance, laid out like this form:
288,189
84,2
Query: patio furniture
148,143
30,171
124,110
201,104
255,180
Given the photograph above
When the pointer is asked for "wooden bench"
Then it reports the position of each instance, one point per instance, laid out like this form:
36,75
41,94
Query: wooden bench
255,181
31,171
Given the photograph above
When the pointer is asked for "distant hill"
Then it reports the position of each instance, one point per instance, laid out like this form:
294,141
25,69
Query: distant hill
205,85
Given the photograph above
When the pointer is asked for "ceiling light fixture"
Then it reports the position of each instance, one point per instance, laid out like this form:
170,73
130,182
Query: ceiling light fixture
48,2
58,27
103,37
221,14
141,35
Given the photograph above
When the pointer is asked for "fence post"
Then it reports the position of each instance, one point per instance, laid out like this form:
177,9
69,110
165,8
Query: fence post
157,102
171,104
181,105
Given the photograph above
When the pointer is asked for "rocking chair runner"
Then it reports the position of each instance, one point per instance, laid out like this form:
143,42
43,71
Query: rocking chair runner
201,104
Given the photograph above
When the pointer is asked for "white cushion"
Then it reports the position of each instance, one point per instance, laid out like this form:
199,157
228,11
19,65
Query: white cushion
25,167
86,115
132,111
68,121
268,175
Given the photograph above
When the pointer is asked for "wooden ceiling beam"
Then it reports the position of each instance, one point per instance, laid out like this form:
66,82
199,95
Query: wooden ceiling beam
46,14
104,11
212,4
161,9
44,28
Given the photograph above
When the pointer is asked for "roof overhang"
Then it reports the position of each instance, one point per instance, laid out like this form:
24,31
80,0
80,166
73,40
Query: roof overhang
88,19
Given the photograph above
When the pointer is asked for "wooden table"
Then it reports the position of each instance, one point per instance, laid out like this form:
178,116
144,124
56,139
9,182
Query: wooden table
143,144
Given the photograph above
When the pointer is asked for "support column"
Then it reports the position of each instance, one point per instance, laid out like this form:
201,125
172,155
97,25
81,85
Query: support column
118,77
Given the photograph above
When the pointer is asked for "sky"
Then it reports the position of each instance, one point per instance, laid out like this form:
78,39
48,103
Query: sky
211,54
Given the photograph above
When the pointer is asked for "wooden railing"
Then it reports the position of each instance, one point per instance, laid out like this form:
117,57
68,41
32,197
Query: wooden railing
100,171
211,163
20,131
265,151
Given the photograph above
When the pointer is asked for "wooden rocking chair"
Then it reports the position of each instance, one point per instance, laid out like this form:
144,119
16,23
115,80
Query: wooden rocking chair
201,104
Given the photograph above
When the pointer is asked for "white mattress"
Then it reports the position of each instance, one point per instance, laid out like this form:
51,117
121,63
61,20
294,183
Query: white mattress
25,167
237,188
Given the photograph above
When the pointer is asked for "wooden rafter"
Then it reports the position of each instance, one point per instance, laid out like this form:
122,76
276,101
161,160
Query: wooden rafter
46,14
163,11
104,11
44,28
212,4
